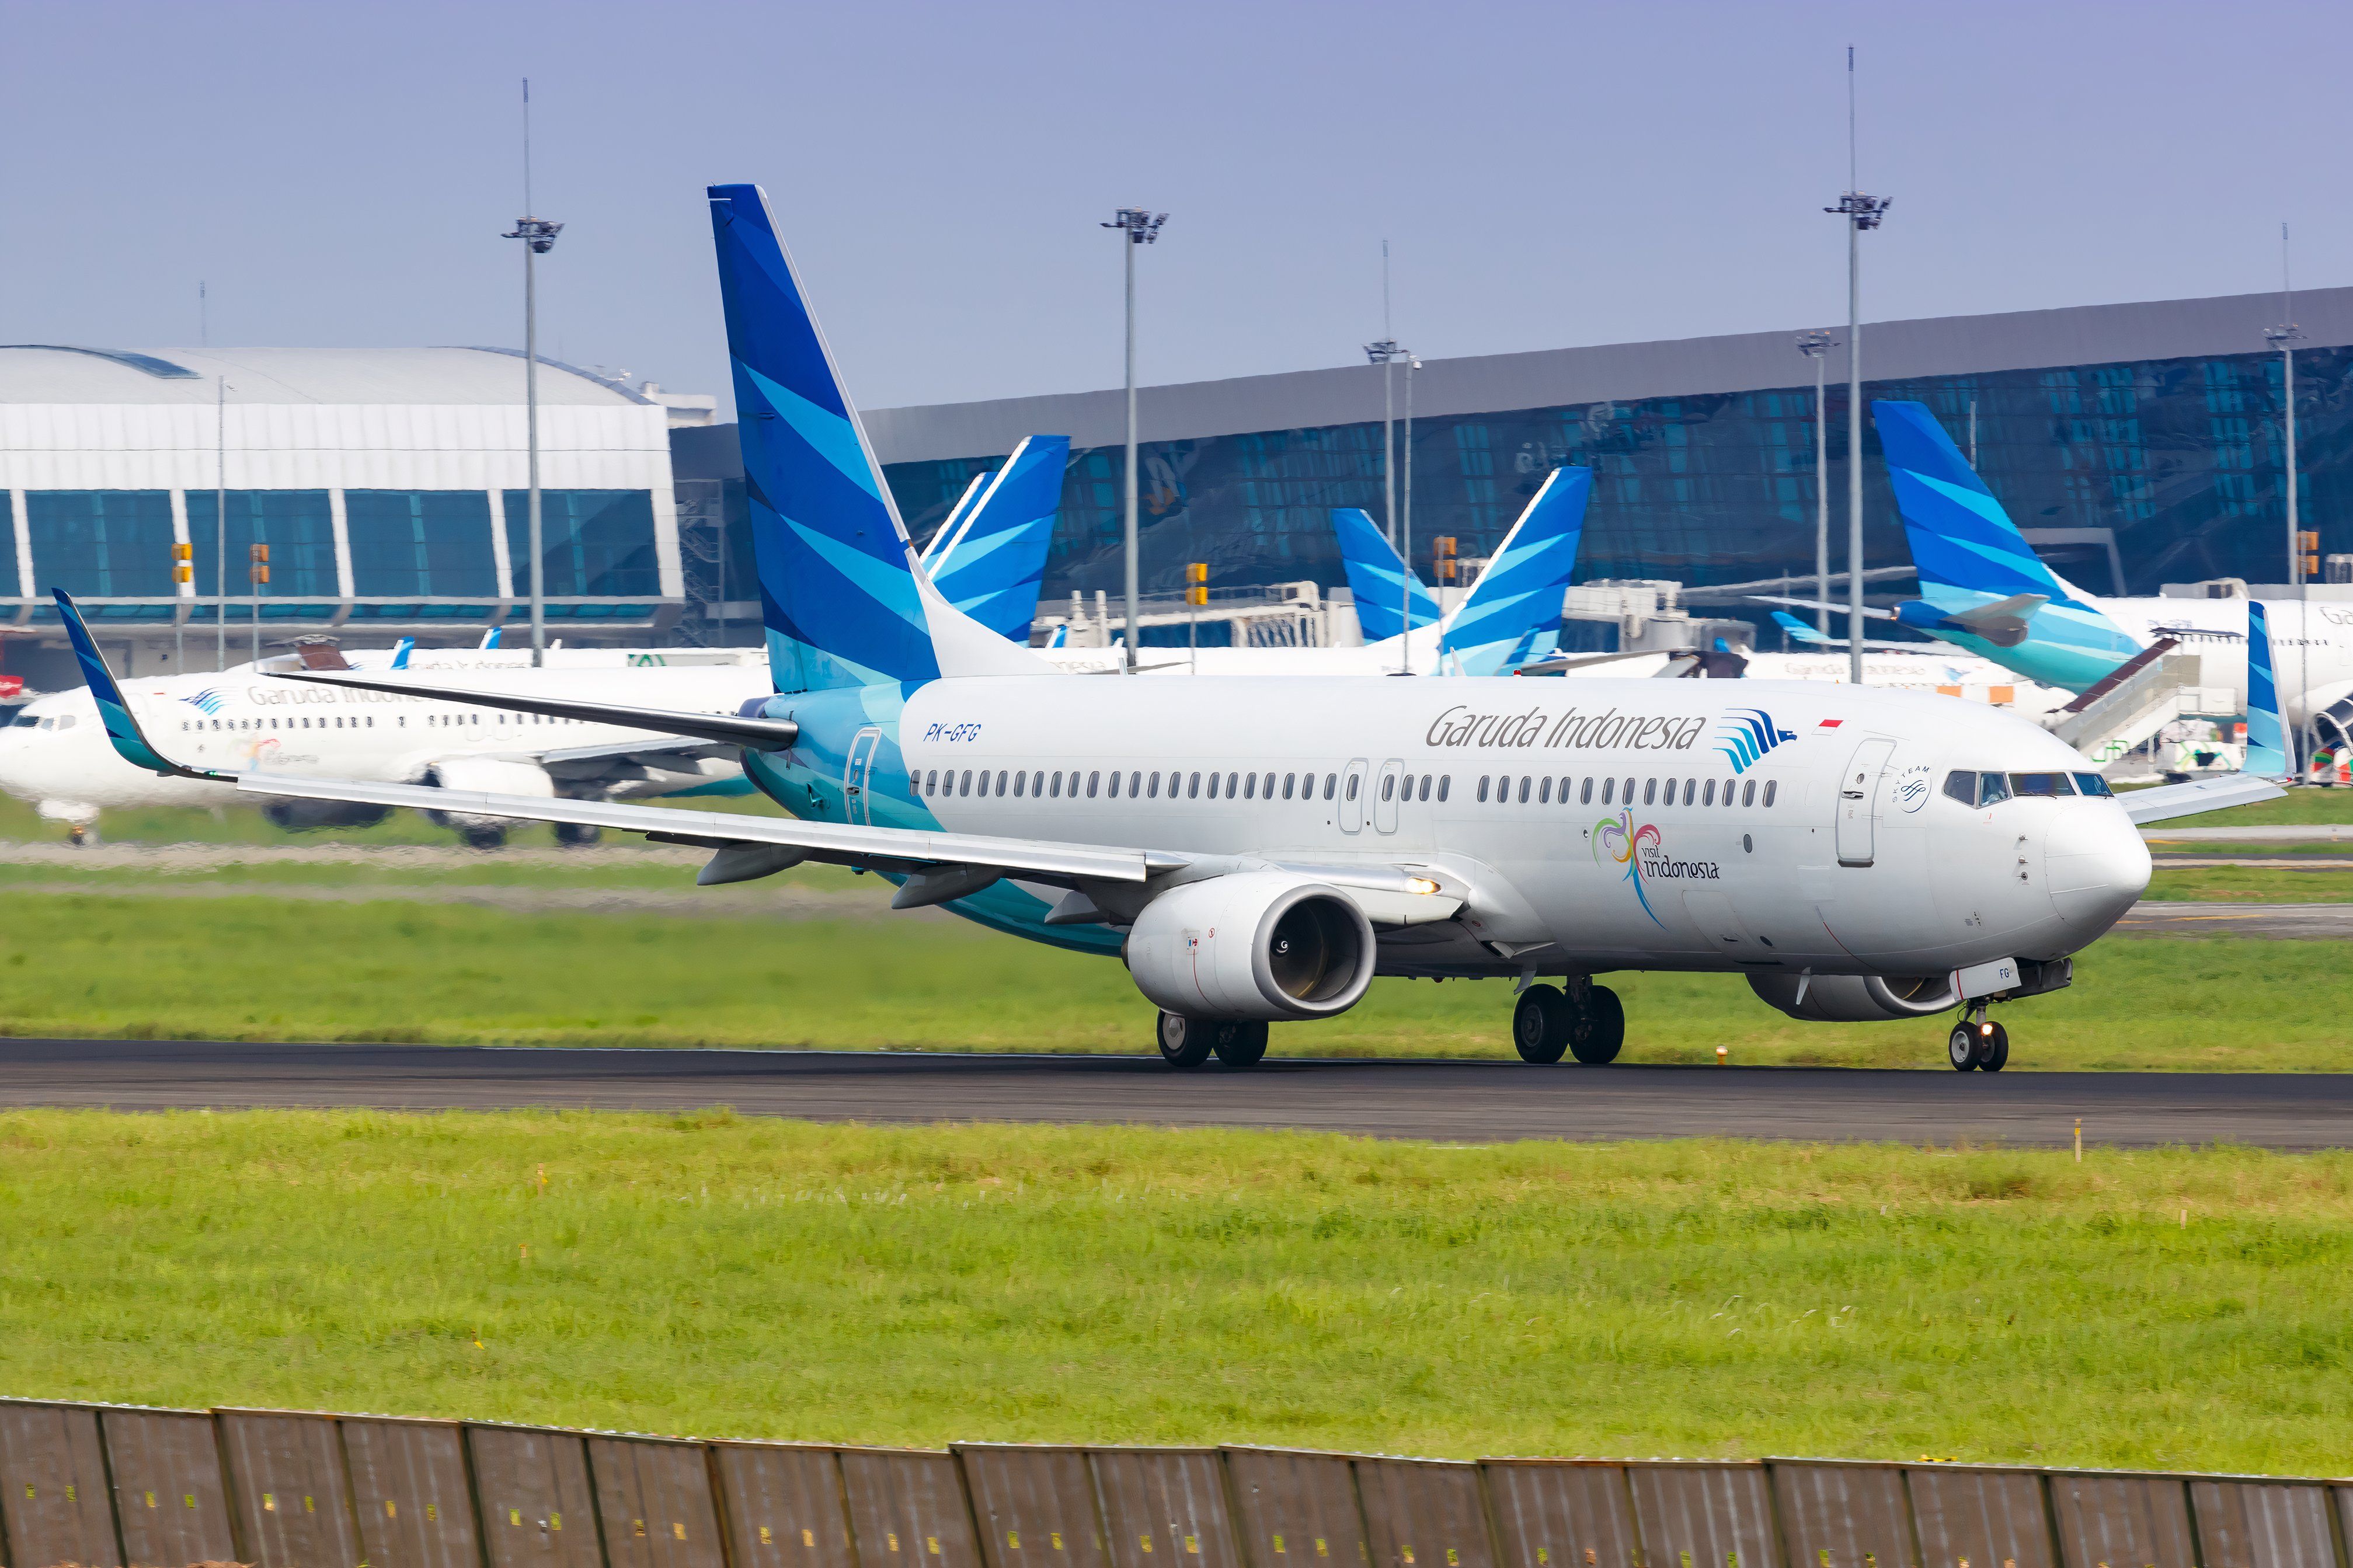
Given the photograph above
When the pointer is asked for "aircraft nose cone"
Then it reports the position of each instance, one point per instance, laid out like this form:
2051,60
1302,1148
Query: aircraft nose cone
2097,867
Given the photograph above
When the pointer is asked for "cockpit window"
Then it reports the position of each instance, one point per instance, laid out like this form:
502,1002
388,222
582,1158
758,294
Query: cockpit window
1962,787
2092,783
2027,785
1992,788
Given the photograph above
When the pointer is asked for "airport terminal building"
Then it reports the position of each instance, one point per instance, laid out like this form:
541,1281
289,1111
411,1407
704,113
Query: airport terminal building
389,484
2137,445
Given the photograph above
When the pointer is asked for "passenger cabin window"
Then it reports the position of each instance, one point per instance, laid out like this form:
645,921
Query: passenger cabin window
1021,780
1524,791
1353,782
1585,796
1193,786
1707,795
1748,795
1330,782
1650,792
1483,788
1608,791
1772,787
1388,787
1093,781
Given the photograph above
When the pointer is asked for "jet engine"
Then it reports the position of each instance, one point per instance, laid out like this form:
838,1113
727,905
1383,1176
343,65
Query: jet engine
1252,945
300,815
485,775
1856,998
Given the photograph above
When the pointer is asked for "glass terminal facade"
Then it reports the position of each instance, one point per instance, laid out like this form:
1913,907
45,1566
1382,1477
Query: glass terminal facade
2126,476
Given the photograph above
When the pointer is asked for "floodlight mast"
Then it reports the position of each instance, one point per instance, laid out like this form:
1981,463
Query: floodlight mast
1862,213
538,235
2285,336
1142,228
1814,346
1386,354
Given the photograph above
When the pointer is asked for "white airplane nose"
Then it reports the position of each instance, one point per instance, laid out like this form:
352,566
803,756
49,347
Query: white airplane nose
2096,865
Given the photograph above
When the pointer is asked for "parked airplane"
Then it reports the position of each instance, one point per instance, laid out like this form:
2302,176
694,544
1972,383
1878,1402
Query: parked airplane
1379,581
1257,850
1511,616
1984,588
53,751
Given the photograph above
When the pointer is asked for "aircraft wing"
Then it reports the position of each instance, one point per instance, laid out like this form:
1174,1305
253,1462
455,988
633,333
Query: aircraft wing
727,729
840,843
2167,802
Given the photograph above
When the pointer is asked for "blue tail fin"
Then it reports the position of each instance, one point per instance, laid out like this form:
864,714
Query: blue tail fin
1969,555
993,565
1796,628
1522,588
957,515
1378,578
2267,755
400,652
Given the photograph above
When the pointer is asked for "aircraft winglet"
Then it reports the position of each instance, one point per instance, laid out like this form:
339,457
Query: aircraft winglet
122,731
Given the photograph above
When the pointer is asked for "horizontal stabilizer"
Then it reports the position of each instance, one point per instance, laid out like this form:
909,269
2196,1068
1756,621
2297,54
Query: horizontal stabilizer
756,734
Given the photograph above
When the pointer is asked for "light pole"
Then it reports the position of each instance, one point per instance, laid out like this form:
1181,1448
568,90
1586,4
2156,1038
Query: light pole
1386,354
2285,338
1814,346
1141,227
220,524
1405,635
538,235
1862,213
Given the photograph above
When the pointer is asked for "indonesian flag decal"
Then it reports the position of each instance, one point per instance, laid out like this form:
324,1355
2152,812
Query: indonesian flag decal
1830,723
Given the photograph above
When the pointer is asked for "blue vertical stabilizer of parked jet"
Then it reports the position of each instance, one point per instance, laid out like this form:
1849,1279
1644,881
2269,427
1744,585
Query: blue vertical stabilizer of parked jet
994,564
1983,586
1378,579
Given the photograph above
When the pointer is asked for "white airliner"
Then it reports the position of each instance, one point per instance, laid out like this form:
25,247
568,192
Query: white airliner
1257,850
53,751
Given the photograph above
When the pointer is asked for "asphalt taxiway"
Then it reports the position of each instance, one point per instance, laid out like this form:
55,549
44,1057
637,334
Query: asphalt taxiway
1451,1101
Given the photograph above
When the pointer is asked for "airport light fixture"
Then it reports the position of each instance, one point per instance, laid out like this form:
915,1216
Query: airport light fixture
2300,561
1862,213
1386,354
1141,227
538,235
1816,346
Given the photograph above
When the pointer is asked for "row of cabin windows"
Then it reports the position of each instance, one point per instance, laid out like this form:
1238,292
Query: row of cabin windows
1140,785
363,721
1655,791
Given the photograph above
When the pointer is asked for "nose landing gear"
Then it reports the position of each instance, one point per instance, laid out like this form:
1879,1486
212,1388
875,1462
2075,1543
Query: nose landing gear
1978,1042
1587,1021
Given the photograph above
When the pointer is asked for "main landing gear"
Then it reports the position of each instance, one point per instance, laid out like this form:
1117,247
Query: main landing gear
1187,1043
1979,1042
1585,1021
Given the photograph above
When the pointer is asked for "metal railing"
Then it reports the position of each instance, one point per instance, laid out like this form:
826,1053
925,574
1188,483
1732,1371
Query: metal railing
104,1486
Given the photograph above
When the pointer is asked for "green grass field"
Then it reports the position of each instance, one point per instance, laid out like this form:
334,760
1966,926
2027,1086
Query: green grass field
724,1277
259,968
2251,884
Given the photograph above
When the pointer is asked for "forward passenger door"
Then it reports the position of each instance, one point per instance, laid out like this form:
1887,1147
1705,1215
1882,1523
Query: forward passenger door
1858,803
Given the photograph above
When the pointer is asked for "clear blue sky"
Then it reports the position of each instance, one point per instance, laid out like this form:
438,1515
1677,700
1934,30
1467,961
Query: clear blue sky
1550,174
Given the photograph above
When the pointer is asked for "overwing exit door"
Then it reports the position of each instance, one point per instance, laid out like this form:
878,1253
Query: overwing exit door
856,777
1858,803
1352,797
1385,804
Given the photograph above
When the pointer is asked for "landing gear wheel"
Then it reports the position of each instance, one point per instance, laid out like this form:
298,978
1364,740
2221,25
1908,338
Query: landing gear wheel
1604,1035
570,833
482,837
1961,1047
1239,1045
1184,1043
1993,1050
1542,1025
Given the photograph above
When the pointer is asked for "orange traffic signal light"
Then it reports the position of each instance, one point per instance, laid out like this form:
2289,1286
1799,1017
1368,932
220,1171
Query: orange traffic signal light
1197,582
1443,551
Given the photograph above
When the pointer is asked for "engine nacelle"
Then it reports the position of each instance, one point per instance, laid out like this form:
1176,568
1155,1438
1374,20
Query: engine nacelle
1252,945
487,775
301,816
1857,998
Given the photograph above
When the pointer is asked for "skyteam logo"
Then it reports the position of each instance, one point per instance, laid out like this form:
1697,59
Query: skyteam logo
1745,735
208,702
